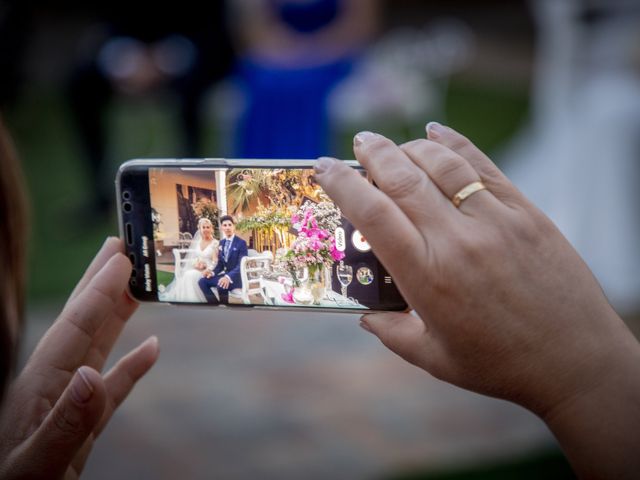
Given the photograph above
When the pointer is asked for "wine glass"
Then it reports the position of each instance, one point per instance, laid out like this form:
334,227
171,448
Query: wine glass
345,275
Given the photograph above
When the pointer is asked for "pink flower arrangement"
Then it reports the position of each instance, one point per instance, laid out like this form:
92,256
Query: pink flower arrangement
313,248
288,295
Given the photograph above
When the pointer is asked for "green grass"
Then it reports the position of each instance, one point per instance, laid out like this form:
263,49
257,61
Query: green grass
488,115
164,278
547,465
60,246
62,243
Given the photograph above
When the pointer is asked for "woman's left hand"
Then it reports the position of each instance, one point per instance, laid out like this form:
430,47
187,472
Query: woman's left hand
61,401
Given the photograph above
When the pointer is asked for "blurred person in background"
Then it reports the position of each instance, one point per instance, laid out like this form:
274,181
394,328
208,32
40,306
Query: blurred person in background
140,49
292,54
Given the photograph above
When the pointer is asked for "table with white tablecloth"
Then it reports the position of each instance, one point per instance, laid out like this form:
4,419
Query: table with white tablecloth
274,291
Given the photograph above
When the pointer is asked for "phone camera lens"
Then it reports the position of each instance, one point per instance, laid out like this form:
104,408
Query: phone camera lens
126,195
127,207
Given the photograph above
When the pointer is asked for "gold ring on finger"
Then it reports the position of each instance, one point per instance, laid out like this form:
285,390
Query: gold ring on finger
466,192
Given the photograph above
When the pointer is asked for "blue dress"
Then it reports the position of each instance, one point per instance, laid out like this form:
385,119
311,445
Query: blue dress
286,108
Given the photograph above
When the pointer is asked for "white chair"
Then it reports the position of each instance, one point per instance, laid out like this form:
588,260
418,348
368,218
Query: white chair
184,239
179,255
252,269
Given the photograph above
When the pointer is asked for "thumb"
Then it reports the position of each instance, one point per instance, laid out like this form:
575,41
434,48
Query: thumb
407,336
68,424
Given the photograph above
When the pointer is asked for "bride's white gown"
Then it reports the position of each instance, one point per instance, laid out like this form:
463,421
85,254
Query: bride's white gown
184,288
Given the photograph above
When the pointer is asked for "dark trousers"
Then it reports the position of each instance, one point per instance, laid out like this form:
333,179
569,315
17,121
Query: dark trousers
206,284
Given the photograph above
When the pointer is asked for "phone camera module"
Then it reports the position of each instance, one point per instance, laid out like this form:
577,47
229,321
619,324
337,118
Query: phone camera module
126,195
127,207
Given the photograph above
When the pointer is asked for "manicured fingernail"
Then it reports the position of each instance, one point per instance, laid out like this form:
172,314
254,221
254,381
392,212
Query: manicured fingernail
153,341
365,326
107,241
434,130
81,388
323,164
363,137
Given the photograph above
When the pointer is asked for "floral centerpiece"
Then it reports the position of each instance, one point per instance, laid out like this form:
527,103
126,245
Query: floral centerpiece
313,249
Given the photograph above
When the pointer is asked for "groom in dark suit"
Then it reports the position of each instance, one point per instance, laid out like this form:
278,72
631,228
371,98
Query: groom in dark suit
226,274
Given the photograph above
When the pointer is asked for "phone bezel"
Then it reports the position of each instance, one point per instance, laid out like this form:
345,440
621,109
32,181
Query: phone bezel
144,278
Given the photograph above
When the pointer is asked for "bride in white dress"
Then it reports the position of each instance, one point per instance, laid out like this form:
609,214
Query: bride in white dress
202,255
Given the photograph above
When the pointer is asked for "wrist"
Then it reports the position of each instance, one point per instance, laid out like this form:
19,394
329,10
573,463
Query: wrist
596,423
574,361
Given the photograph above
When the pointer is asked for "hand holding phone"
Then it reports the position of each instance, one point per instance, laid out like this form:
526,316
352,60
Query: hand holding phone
506,306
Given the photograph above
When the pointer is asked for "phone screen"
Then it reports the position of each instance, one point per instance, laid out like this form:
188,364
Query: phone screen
248,236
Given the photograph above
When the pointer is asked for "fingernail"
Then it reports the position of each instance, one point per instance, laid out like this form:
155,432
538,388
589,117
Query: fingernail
434,130
152,340
365,326
81,388
323,164
363,137
106,242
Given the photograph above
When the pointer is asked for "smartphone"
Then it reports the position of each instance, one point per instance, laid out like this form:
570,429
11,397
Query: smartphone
247,234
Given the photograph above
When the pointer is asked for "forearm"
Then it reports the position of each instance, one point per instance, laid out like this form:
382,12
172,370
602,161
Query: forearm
598,430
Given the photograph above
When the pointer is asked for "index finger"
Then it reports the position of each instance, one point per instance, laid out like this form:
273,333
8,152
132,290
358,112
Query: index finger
386,227
402,180
110,247
67,342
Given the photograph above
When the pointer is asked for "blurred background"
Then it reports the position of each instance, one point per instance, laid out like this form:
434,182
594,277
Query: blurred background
549,88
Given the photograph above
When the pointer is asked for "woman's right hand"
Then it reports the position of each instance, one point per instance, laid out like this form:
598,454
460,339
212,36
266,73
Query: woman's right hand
505,306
